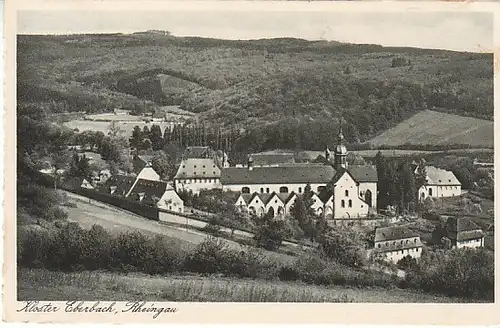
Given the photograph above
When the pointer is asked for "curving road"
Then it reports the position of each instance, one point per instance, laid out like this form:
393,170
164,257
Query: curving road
118,220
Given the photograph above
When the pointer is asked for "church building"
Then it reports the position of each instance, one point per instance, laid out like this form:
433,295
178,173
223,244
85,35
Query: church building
352,192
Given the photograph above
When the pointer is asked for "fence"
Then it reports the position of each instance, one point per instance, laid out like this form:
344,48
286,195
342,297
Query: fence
184,219
143,210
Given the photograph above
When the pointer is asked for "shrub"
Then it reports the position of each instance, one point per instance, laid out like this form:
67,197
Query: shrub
288,273
131,251
65,248
309,266
252,263
459,272
345,246
32,247
209,257
97,250
270,233
407,263
214,225
56,214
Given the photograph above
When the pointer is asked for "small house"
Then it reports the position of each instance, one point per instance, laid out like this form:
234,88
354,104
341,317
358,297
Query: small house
394,243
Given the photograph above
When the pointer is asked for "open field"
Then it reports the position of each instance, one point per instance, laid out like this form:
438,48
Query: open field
116,221
436,128
38,284
112,117
103,126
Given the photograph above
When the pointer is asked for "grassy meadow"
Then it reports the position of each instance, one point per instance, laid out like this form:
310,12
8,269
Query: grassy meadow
38,284
427,128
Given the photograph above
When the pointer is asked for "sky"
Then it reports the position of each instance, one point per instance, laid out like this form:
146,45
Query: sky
462,31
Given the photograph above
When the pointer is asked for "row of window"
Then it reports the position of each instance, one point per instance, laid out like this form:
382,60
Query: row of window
471,241
282,189
204,173
405,251
187,181
401,242
184,166
342,203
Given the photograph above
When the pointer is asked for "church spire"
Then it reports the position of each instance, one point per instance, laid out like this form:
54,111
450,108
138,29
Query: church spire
340,160
340,136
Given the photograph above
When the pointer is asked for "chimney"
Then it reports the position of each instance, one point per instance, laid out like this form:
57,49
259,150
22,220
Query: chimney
250,163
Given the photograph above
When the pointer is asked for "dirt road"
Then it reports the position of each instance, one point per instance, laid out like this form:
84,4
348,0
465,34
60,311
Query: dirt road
116,220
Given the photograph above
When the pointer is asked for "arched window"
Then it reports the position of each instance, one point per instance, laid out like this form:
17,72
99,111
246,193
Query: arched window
245,190
300,190
368,197
267,190
342,203
350,203
284,189
430,192
347,193
271,211
261,190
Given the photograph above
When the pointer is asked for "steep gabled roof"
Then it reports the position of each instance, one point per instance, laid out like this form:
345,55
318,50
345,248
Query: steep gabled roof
325,196
248,197
265,198
196,152
140,161
436,176
461,229
122,183
198,168
149,187
364,173
273,159
340,173
284,174
394,233
286,197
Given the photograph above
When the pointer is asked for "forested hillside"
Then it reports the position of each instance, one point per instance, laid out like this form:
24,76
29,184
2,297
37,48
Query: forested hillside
283,86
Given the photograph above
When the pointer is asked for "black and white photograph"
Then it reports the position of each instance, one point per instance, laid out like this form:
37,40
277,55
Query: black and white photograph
254,156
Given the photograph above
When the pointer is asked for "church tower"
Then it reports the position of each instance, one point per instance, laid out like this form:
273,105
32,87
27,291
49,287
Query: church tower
340,160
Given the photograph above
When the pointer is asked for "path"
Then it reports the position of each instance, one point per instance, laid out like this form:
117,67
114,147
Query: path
117,220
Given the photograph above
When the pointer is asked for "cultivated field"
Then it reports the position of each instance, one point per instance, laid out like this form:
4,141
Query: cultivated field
38,284
436,128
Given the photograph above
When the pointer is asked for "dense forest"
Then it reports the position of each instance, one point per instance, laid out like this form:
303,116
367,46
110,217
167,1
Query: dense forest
275,89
